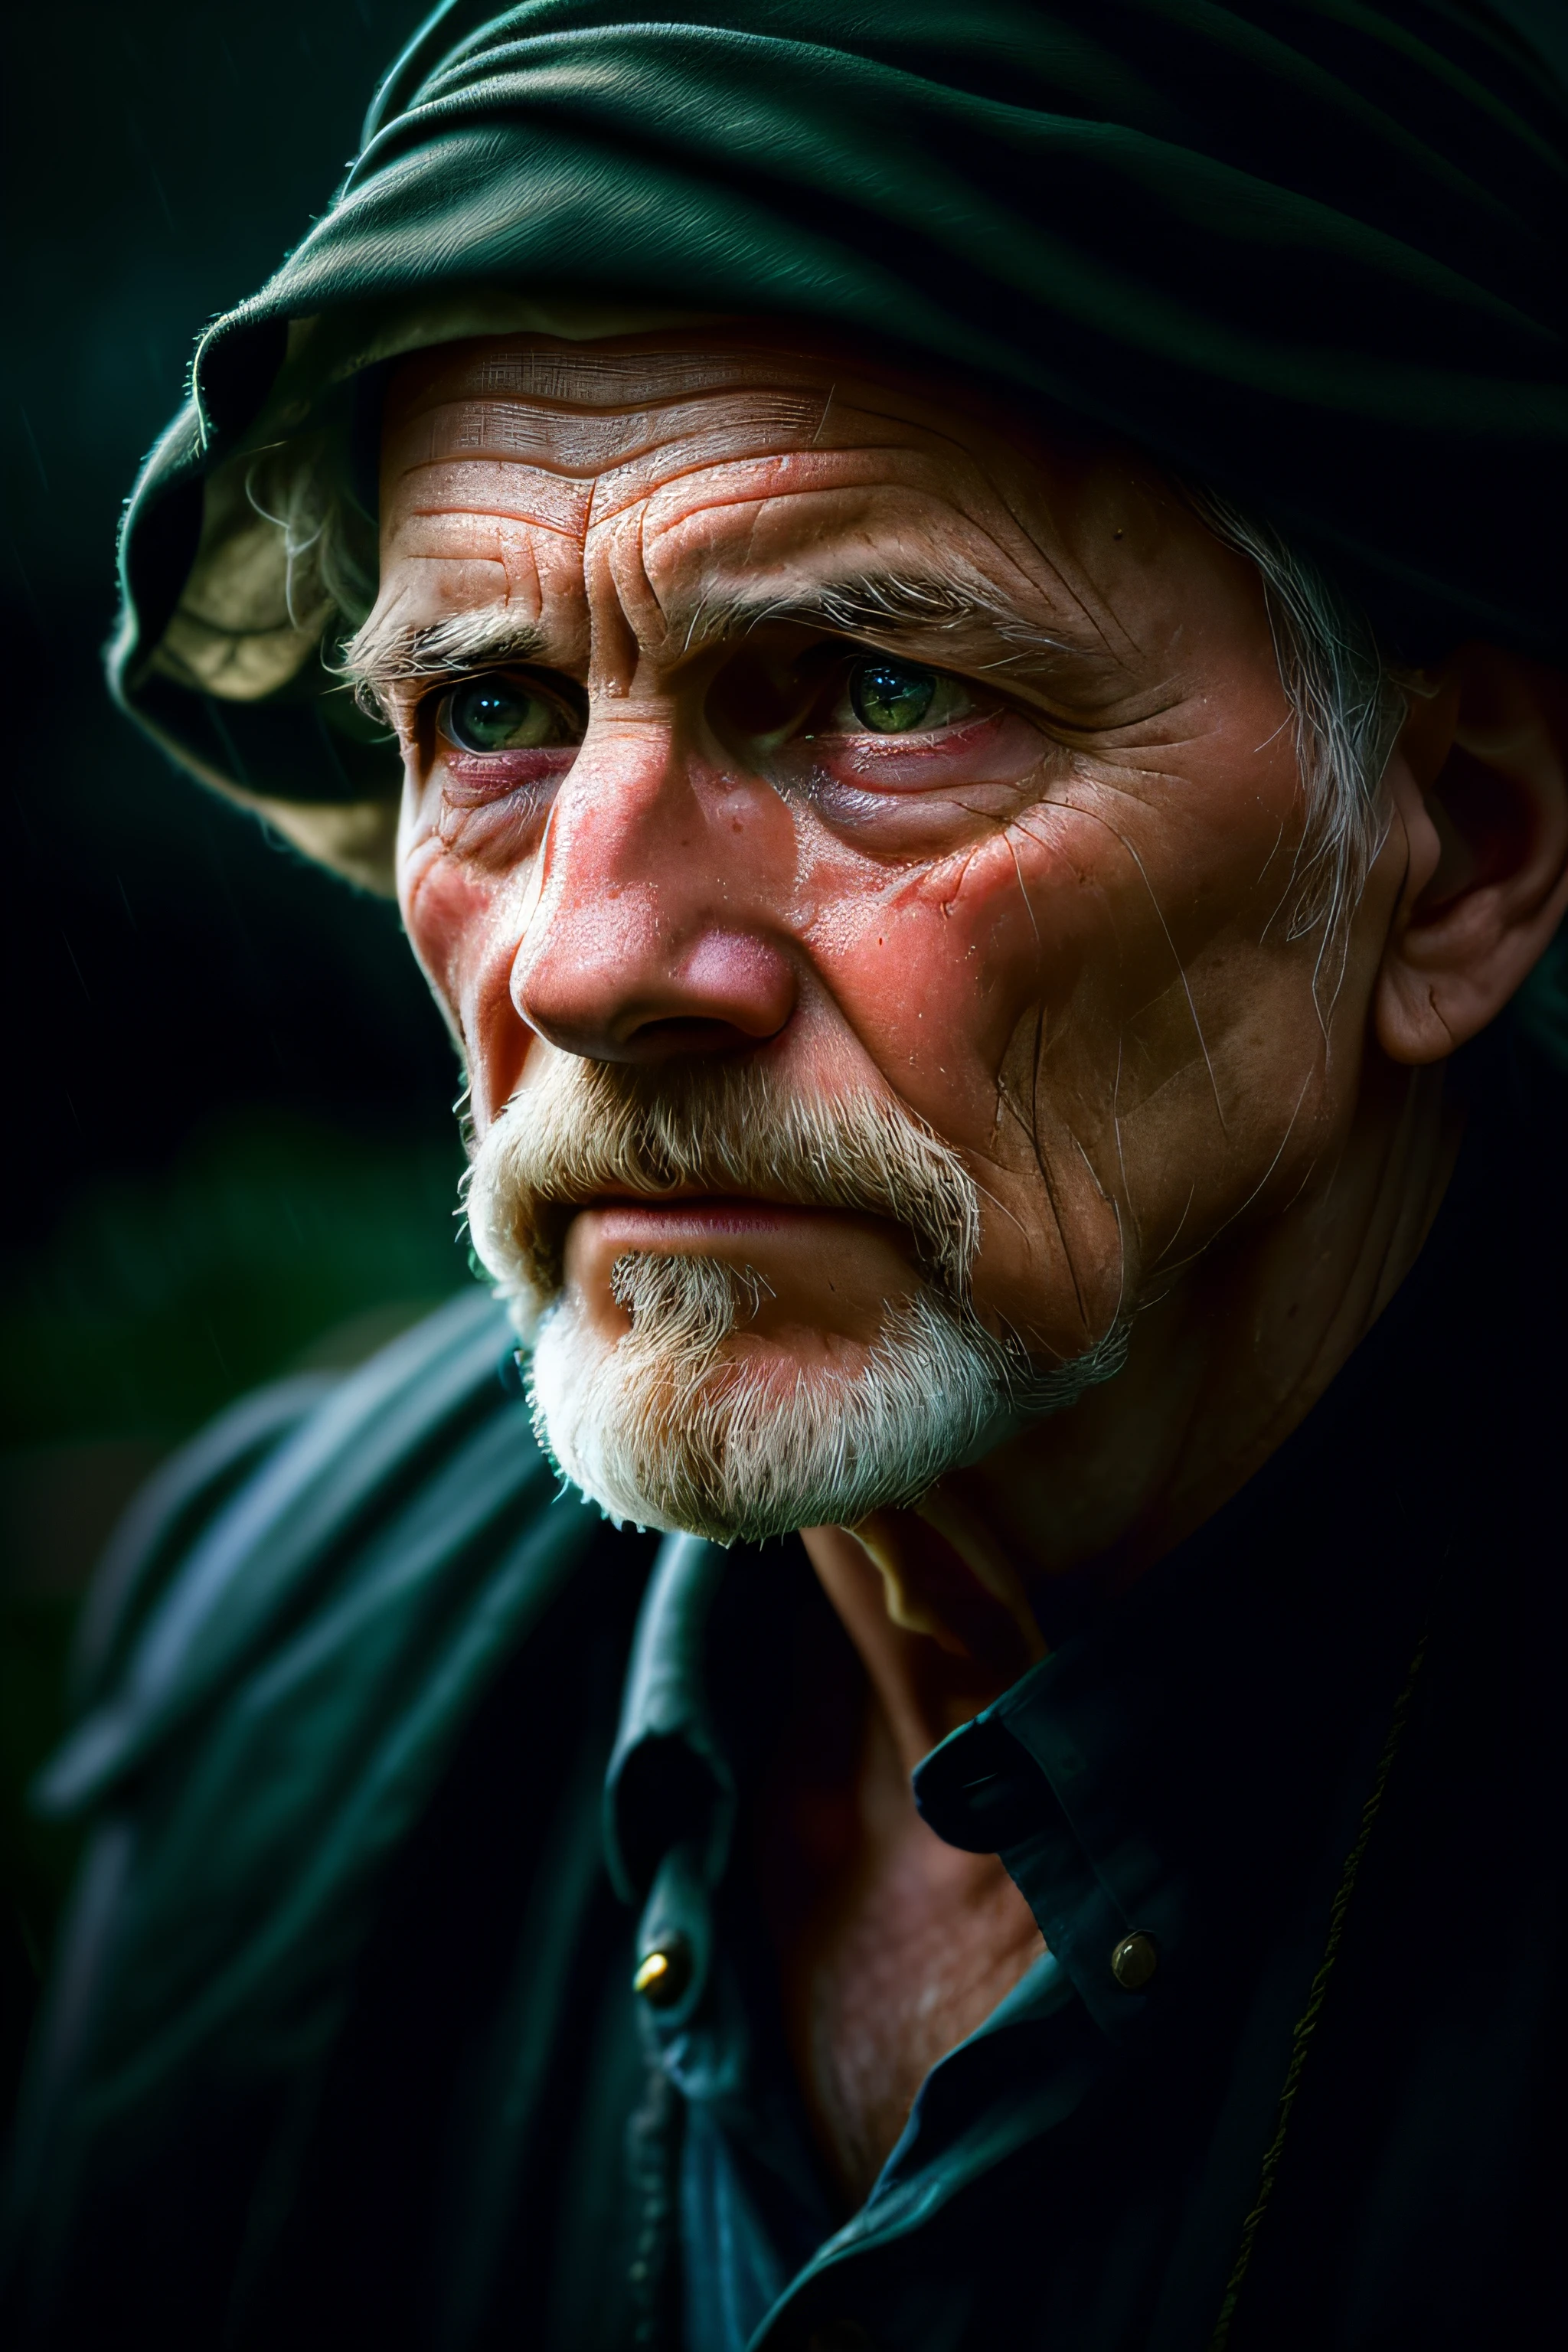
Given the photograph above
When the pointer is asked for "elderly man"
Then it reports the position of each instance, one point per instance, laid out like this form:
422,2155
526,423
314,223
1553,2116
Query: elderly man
966,609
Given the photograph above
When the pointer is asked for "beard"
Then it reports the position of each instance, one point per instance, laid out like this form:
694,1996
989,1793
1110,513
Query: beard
676,1424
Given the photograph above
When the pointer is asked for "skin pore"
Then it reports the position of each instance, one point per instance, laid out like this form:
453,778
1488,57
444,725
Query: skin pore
756,703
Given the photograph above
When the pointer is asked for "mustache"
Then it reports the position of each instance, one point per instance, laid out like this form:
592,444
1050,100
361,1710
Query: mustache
582,1131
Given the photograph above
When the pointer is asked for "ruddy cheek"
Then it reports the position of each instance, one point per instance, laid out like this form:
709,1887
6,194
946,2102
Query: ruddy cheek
447,911
931,974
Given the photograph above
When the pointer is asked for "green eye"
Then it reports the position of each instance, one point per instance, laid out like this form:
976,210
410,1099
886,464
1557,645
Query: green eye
503,714
891,698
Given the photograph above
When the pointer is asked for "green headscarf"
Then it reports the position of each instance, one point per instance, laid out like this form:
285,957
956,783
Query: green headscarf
1309,254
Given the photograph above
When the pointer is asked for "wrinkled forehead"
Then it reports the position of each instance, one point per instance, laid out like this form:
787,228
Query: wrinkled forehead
582,407
718,462
604,374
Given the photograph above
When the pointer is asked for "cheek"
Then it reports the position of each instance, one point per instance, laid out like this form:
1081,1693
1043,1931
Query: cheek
933,969
463,925
940,973
445,908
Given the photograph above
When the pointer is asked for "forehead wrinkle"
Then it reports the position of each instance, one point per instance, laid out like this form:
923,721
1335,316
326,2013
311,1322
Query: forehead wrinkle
523,491
761,473
574,442
867,598
538,501
570,375
772,478
899,469
624,487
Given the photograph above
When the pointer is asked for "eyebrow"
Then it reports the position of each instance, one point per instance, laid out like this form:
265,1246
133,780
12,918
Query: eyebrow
387,651
889,607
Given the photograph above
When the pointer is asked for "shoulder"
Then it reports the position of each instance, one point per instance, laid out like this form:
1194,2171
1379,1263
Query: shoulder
298,1621
297,1625
314,1516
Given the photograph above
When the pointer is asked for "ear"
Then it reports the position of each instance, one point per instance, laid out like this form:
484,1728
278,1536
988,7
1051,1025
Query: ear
1478,780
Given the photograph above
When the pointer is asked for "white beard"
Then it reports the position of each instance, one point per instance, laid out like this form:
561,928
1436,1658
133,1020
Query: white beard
676,1425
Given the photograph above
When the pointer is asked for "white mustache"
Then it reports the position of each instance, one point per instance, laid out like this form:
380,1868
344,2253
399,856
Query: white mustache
585,1129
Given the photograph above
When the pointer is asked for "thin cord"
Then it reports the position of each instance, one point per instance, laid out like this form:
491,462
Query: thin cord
1306,2024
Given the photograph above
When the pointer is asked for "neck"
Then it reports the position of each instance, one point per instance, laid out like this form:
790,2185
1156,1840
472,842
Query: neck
1222,1366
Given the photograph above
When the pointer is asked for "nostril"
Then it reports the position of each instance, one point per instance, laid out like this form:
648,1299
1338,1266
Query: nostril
620,995
655,1040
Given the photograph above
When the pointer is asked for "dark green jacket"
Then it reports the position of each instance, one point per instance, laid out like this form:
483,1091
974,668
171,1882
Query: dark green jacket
391,1785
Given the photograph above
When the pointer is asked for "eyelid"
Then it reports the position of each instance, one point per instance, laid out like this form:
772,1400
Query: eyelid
553,683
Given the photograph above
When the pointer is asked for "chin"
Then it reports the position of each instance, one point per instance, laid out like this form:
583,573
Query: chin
670,1426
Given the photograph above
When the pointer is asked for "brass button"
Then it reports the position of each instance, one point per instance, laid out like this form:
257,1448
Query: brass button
1134,1961
663,1974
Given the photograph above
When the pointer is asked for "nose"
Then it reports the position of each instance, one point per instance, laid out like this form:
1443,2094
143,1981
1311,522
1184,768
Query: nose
650,935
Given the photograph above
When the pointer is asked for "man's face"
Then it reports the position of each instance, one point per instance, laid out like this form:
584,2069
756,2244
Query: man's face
784,747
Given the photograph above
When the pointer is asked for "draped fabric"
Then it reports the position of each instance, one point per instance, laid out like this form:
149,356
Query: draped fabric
1307,251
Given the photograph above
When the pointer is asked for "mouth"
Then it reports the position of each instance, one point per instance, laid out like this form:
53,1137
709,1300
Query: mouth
690,1223
819,1268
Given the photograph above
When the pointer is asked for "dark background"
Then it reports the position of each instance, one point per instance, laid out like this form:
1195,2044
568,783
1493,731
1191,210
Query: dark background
229,1147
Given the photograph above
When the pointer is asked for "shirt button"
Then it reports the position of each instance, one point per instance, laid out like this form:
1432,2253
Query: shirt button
663,1974
1134,1961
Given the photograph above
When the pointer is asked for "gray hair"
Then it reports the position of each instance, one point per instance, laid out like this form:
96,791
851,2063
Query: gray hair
1347,705
331,556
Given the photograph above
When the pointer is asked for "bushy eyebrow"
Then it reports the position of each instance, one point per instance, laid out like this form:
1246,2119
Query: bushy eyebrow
886,607
890,607
387,651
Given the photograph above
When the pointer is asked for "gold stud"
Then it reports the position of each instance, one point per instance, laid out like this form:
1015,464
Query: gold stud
663,1974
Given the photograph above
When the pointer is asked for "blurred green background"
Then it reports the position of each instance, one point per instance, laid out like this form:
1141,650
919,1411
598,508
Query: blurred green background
229,1149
